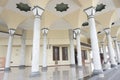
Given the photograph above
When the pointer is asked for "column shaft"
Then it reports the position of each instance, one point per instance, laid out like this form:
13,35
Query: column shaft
117,51
94,41
44,50
23,48
36,41
79,55
94,44
72,54
36,45
111,51
44,66
9,50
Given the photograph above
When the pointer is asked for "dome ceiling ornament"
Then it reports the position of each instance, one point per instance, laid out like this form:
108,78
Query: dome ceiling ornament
23,7
85,24
61,7
100,7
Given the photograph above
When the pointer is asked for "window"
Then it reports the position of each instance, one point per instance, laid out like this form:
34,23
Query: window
84,54
64,53
56,53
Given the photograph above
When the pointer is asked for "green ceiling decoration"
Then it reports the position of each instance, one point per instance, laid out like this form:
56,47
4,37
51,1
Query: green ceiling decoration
113,23
23,7
85,24
61,7
98,32
100,7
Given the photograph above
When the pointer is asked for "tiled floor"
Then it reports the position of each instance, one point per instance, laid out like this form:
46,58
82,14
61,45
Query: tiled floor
53,73
111,74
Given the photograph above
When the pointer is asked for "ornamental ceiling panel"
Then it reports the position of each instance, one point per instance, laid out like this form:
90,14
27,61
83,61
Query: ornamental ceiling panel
60,24
41,3
73,18
12,18
115,31
27,24
1,8
117,3
12,5
3,2
85,3
105,19
48,18
109,5
68,5
3,23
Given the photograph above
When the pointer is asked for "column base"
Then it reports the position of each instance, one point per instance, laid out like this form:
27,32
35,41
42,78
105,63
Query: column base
35,74
72,65
107,66
22,67
7,69
96,72
113,65
44,69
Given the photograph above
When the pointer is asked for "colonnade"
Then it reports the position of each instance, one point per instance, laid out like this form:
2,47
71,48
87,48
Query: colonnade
90,12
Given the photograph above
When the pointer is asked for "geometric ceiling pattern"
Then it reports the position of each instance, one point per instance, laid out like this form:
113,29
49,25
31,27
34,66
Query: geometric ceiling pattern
73,17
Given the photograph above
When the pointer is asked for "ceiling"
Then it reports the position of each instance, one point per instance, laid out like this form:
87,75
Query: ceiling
73,17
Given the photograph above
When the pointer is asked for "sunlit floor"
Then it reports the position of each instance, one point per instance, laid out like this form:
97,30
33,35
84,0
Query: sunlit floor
53,73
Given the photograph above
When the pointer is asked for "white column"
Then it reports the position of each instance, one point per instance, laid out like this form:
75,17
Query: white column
36,41
44,65
72,54
119,45
110,48
117,49
23,48
104,52
9,49
79,55
94,40
106,62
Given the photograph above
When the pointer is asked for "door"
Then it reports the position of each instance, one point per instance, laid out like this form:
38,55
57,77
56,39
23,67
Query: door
56,57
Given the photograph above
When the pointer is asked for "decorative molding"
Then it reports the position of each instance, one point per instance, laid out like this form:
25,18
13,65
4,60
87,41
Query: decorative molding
23,7
61,7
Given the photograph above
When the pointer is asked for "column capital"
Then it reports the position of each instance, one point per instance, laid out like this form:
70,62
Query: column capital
107,31
11,31
77,31
90,12
45,30
37,10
